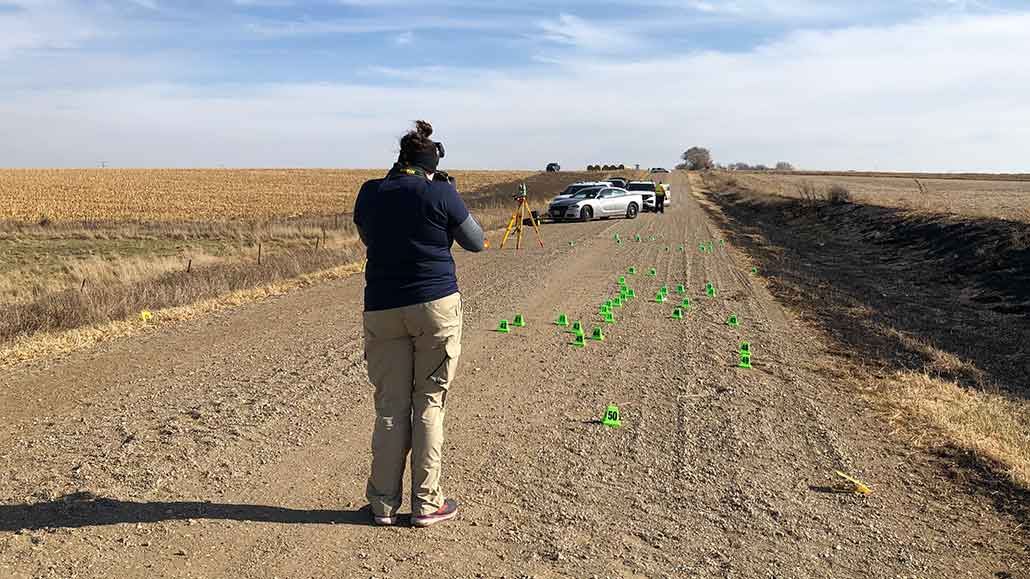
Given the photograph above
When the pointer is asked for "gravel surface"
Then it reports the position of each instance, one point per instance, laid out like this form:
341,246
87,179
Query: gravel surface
237,445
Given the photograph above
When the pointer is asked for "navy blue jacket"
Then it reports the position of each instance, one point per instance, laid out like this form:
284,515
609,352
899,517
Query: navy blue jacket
408,223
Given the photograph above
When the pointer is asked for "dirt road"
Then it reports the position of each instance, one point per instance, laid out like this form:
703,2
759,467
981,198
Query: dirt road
237,445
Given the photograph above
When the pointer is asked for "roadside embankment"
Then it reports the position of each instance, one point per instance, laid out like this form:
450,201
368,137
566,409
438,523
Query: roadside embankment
929,310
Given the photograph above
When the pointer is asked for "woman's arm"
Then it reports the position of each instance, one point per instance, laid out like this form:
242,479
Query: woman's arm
469,235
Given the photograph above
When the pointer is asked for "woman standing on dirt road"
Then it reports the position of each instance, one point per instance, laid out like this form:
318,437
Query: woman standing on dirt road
408,222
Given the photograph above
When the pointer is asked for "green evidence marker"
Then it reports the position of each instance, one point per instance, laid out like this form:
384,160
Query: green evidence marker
578,341
681,289
710,289
563,321
577,328
664,290
652,272
659,298
686,304
611,417
608,318
733,322
677,314
503,328
598,334
622,280
632,271
745,355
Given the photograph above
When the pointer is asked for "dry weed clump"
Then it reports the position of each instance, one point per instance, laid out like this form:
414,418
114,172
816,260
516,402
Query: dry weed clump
988,424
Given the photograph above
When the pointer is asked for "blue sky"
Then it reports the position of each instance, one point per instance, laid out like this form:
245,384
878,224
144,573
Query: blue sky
903,84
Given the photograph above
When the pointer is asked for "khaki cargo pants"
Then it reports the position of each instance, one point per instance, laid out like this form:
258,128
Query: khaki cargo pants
412,355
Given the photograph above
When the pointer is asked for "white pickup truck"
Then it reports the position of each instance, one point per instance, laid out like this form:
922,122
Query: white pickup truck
597,202
646,190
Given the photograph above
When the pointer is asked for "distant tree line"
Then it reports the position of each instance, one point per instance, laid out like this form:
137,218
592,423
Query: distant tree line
781,166
700,159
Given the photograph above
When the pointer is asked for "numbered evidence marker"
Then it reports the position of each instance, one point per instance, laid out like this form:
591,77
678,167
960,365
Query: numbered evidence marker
710,289
622,280
608,318
612,417
659,298
677,314
733,322
745,355
632,271
563,321
145,316
579,341
652,272
577,327
504,328
686,304
520,322
598,334
681,289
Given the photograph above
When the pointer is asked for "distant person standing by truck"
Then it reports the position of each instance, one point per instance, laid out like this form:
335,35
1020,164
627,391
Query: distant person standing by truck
413,321
659,198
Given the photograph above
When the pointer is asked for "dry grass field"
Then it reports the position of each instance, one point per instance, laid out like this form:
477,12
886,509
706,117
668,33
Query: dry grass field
204,195
979,197
84,247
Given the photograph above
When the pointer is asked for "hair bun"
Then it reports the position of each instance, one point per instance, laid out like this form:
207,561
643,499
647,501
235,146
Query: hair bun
424,129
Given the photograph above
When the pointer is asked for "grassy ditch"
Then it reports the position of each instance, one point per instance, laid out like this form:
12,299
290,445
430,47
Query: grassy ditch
929,310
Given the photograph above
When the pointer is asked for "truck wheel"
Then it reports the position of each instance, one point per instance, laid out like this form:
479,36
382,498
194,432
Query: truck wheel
586,214
632,211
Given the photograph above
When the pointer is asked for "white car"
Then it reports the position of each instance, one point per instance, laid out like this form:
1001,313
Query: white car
576,187
597,202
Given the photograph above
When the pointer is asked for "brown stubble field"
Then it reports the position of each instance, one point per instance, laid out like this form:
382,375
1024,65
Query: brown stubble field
1003,198
193,195
84,247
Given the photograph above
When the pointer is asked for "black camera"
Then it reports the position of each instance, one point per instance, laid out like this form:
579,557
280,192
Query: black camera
442,175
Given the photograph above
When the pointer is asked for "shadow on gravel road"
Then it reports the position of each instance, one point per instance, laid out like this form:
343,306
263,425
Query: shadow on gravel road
84,510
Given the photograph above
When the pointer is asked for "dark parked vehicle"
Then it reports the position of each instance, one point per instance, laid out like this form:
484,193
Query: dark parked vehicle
553,167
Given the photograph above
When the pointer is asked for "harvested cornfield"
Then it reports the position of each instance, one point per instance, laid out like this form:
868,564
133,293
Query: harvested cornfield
169,195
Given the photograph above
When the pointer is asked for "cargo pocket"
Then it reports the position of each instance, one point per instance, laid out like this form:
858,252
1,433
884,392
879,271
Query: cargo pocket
444,373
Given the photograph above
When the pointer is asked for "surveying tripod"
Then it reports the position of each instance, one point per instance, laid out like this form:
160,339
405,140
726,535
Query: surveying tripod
518,220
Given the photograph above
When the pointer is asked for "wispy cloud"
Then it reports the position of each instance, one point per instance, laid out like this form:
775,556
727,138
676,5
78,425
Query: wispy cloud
571,30
938,92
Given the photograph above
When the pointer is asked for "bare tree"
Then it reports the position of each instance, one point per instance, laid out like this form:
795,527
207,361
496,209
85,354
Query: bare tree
784,166
697,159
